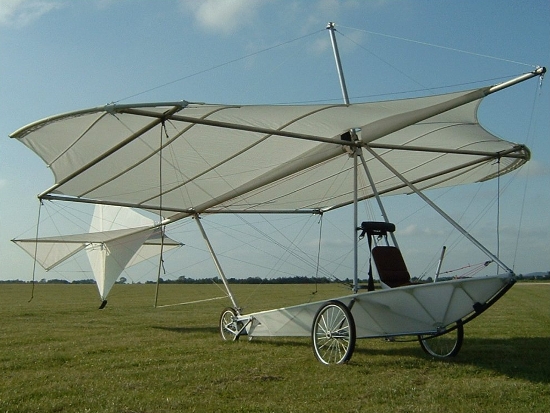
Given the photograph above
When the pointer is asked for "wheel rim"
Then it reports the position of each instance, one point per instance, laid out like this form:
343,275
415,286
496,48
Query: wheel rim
228,325
333,334
444,345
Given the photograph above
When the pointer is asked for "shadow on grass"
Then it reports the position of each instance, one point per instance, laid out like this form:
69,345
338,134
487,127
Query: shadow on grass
519,358
524,358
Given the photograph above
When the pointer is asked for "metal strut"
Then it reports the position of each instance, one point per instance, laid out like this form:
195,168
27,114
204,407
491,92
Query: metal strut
446,216
218,266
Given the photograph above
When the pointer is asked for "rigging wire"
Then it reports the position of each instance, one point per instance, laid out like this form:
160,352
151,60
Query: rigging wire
200,72
384,61
318,251
71,215
35,251
472,269
404,92
192,302
423,87
304,257
161,258
453,49
530,133
498,213
290,250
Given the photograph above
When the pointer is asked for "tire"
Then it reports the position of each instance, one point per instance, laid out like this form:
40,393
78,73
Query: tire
229,326
443,345
333,333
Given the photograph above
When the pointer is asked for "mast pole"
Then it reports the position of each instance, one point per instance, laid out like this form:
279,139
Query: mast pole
356,154
331,29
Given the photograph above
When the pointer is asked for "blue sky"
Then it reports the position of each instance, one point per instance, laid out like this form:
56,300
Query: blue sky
60,56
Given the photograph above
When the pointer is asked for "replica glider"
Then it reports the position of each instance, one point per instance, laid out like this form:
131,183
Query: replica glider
185,159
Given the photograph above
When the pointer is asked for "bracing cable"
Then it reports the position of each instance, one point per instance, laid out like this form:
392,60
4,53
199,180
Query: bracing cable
35,251
524,197
442,47
163,131
200,72
318,252
498,213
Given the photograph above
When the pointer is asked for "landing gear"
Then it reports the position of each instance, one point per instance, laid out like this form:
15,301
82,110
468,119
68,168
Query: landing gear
230,328
333,333
446,344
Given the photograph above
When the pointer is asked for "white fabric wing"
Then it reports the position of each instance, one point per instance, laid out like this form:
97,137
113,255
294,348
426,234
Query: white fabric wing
185,158
119,238
50,252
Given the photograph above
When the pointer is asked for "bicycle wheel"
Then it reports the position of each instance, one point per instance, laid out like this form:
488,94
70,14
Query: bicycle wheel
333,333
229,326
443,345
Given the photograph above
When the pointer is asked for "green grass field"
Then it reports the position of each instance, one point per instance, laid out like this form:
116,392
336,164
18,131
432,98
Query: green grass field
59,353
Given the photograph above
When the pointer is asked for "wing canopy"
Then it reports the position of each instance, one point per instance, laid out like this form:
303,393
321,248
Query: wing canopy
197,158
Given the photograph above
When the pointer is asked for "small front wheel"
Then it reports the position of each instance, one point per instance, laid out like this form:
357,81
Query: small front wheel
446,344
333,333
230,328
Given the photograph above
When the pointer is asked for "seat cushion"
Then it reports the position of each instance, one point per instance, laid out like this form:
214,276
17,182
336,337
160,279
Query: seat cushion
391,266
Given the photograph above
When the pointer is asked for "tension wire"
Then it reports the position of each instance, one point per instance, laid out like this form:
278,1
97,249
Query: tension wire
531,143
161,257
200,72
498,211
453,49
35,251
318,251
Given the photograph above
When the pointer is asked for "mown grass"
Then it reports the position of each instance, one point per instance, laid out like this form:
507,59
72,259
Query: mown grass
58,353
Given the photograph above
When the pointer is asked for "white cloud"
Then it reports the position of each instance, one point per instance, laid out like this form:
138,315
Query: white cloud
410,230
414,230
224,16
19,13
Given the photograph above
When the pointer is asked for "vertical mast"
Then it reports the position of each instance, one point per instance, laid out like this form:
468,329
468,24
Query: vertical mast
331,29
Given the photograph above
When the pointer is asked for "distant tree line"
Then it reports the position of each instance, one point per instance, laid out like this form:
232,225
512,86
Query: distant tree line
52,281
187,280
250,280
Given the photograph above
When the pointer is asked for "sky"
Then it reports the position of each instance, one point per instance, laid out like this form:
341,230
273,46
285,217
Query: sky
59,55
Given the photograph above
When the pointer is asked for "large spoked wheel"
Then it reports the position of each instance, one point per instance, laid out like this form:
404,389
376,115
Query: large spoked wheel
229,326
333,333
443,345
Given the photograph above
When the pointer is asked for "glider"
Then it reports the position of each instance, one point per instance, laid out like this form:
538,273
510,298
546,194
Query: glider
184,159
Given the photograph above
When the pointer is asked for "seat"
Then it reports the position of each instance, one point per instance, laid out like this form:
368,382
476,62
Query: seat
391,266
